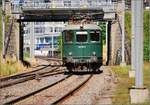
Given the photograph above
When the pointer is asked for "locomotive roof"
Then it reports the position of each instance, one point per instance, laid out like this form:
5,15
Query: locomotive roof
85,26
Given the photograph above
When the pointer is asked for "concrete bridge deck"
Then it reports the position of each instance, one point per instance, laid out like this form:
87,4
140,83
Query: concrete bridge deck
97,9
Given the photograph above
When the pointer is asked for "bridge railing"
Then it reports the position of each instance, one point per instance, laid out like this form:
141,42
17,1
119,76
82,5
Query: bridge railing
106,6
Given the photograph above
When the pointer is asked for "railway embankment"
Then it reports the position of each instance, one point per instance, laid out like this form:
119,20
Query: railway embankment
12,67
121,93
62,89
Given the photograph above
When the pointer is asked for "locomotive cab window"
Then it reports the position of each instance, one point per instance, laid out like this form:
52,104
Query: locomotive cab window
68,35
81,36
94,36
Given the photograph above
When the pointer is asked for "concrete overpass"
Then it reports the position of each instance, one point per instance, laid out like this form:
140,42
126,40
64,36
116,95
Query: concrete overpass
62,10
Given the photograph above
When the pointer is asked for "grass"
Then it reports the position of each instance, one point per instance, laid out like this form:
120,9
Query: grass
121,96
11,66
26,55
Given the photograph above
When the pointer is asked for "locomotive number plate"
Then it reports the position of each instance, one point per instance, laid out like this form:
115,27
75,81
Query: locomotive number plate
81,46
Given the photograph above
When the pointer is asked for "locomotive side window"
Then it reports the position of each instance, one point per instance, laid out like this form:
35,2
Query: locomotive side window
68,36
81,36
95,36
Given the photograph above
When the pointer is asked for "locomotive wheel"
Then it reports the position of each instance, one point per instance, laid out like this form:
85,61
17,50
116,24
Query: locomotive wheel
69,67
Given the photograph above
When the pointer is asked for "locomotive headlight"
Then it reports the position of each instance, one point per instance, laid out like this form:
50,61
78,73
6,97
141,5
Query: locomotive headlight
94,53
70,53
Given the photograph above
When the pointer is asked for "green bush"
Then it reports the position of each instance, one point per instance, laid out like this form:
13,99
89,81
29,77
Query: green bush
7,25
26,55
0,29
128,26
146,31
102,26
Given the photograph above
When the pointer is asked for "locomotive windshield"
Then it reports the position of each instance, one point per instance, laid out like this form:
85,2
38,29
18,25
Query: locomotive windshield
68,36
81,36
95,36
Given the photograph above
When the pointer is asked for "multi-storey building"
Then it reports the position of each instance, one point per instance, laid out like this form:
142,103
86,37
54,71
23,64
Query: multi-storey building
45,35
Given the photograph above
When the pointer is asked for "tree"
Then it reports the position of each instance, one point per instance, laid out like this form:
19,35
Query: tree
60,45
102,26
0,2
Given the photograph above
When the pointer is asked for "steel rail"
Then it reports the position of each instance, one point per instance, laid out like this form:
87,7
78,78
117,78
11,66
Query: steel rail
27,73
21,74
71,91
35,92
30,77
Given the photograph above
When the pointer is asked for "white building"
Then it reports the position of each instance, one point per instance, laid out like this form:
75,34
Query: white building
45,35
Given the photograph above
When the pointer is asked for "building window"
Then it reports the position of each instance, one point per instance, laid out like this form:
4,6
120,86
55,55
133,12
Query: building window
39,30
47,39
27,31
55,40
51,29
38,40
39,23
42,40
58,29
67,3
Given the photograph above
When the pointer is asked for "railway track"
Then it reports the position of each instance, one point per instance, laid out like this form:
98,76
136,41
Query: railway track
66,94
47,70
33,71
34,92
32,75
22,74
46,58
78,83
27,77
58,91
69,93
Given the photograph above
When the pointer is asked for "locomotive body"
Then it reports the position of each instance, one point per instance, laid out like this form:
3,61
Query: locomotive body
82,47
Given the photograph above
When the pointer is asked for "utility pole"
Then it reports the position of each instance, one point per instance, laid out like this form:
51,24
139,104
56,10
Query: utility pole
139,43
123,34
138,94
132,71
3,31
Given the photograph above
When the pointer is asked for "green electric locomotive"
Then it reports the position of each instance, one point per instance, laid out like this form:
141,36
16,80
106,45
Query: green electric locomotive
82,47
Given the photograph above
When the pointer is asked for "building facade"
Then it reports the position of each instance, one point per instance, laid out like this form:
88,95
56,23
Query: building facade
44,36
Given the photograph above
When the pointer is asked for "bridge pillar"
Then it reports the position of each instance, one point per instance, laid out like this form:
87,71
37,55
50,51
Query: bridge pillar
17,39
3,31
32,40
52,45
123,63
108,43
21,41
